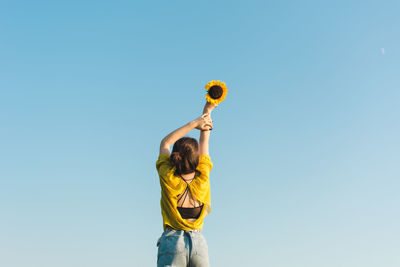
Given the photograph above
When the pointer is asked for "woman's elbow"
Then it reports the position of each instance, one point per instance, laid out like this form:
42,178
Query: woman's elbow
164,143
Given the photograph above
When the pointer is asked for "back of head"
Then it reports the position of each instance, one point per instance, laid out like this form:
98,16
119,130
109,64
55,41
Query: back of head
185,155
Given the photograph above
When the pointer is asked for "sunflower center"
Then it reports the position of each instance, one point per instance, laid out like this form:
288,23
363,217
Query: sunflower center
215,92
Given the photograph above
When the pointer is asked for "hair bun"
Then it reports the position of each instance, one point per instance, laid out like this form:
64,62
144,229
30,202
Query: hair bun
176,157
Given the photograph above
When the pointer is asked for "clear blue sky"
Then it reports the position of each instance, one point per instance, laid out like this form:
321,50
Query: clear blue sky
305,146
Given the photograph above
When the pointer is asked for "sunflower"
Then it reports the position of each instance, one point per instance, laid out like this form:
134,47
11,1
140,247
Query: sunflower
217,92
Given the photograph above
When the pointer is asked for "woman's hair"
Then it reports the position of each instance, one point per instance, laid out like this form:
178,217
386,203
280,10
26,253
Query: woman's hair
185,155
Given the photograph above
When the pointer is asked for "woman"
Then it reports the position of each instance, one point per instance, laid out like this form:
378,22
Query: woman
185,194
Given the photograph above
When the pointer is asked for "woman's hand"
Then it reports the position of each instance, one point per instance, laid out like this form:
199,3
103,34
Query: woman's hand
204,122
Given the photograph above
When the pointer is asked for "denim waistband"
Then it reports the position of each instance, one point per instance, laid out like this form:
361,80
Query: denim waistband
169,228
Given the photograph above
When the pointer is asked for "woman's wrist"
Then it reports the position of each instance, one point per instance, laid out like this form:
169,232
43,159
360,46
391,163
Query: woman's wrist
208,107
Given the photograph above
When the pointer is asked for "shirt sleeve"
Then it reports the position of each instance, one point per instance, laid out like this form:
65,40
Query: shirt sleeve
163,165
200,187
205,165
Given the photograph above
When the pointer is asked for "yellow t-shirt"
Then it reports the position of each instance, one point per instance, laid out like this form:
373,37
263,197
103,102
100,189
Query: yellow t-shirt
172,186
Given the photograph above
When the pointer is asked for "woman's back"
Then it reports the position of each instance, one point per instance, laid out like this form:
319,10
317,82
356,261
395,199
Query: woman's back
188,206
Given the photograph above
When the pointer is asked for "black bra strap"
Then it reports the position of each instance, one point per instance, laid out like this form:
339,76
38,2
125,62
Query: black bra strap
186,192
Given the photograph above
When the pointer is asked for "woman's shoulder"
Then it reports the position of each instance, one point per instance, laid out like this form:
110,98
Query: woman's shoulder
163,164
205,164
163,156
204,158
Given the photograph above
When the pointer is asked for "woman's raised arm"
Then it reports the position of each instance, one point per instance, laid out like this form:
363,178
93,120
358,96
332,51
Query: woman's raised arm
205,135
202,123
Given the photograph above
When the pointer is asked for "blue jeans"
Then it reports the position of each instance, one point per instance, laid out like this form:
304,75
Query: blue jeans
181,248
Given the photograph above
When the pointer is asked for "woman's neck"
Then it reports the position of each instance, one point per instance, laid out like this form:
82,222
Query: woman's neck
188,176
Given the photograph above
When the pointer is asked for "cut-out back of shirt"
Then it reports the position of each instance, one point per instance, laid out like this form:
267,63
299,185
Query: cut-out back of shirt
191,211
